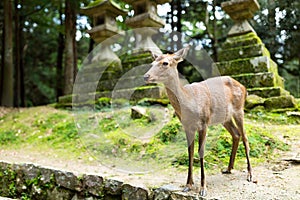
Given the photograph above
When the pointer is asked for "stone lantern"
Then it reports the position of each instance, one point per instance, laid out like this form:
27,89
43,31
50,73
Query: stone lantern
145,15
245,58
240,11
103,14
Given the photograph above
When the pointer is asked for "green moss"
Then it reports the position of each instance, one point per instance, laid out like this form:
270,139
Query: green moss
280,102
257,80
102,102
243,37
66,99
267,92
153,101
244,66
169,132
243,52
253,101
241,41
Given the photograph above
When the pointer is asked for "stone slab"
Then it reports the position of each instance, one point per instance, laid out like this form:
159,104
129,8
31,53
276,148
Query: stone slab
281,102
145,20
135,94
240,9
243,52
244,40
240,27
258,80
247,65
267,92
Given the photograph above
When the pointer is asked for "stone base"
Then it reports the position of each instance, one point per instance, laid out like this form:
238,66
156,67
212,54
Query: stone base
133,95
259,80
274,104
243,52
247,65
280,103
268,92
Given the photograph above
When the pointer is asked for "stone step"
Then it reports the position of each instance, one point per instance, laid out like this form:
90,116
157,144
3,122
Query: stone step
95,75
98,67
281,103
138,93
243,40
110,84
268,92
132,61
135,94
243,52
247,65
260,80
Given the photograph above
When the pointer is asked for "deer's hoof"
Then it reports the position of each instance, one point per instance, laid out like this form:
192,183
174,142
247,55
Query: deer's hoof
203,192
187,188
226,171
249,177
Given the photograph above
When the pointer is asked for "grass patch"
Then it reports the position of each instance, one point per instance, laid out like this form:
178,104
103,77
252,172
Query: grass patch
113,137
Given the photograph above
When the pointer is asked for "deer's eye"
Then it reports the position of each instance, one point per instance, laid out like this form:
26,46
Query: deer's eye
165,64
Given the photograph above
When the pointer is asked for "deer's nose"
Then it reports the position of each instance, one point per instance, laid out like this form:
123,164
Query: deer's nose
146,77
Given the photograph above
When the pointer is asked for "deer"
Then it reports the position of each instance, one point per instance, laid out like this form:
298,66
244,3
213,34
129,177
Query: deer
217,100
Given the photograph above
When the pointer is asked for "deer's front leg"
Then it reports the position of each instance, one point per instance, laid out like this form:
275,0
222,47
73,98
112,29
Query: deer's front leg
201,148
190,182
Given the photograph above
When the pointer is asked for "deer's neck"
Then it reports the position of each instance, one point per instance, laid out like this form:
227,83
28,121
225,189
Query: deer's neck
176,93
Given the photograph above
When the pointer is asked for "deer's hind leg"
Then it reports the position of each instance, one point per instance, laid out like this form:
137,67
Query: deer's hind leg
201,148
231,128
239,120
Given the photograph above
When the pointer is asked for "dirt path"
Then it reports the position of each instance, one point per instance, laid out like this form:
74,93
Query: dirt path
276,180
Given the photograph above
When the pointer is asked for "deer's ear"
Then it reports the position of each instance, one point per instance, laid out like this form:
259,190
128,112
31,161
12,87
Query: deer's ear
181,54
154,55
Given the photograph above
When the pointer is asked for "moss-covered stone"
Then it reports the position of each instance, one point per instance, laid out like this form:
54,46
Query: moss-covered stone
153,101
242,37
267,92
66,99
105,85
154,92
254,101
281,102
234,42
245,66
256,80
243,52
130,61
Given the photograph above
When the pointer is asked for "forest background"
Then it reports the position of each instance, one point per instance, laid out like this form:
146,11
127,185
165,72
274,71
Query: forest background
44,42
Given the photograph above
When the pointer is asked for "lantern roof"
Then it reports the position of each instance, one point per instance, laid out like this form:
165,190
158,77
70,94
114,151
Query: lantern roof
240,9
100,6
156,1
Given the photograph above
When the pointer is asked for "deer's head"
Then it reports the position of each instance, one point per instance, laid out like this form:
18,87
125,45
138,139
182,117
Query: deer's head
164,67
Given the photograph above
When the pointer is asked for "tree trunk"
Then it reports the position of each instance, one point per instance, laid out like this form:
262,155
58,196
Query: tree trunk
59,59
272,26
19,95
7,96
70,48
215,39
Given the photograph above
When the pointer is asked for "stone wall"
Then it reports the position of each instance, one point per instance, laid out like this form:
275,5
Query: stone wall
28,181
